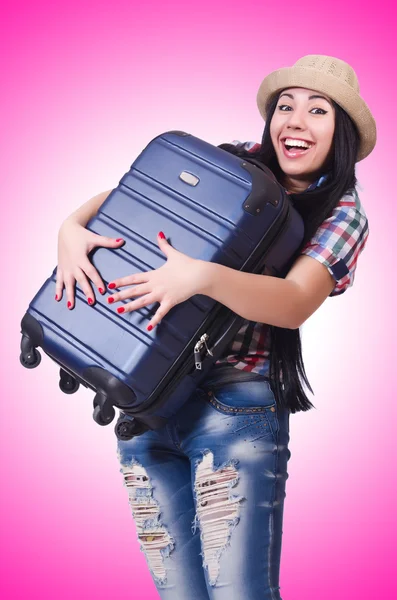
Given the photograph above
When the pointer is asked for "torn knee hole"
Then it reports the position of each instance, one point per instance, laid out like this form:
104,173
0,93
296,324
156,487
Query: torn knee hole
217,510
155,541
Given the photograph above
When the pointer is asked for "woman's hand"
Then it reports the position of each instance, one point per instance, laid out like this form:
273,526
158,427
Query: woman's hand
75,242
177,280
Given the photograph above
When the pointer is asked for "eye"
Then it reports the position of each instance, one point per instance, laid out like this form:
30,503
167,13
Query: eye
282,106
324,112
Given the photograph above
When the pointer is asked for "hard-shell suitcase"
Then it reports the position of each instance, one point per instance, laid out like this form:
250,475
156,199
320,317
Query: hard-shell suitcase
213,206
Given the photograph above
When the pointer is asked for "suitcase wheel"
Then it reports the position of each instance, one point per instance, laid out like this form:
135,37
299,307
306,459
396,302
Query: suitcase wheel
67,383
30,360
125,429
101,418
103,409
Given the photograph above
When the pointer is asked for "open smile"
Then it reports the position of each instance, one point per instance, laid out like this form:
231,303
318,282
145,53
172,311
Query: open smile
295,152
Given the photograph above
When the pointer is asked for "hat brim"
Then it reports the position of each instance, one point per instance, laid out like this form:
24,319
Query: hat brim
340,92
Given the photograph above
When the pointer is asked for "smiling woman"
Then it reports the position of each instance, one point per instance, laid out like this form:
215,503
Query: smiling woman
234,430
316,101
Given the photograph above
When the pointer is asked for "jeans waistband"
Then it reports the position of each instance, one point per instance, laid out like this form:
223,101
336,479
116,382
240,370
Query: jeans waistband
223,375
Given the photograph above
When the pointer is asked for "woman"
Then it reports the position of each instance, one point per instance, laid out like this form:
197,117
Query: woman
207,490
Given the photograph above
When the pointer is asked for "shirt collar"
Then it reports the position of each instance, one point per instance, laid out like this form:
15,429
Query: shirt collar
317,183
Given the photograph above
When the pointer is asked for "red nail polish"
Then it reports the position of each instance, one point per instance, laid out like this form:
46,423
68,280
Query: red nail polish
121,309
110,300
90,301
69,304
101,290
111,286
161,235
119,240
149,327
56,297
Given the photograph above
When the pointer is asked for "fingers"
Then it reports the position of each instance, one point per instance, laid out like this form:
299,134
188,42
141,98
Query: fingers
158,315
84,283
163,309
85,286
107,242
69,285
130,293
94,276
58,285
129,280
85,273
136,304
141,290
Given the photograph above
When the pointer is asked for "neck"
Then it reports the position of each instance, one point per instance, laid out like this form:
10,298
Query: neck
295,185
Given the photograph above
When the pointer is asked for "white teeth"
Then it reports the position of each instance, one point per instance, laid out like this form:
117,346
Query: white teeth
301,143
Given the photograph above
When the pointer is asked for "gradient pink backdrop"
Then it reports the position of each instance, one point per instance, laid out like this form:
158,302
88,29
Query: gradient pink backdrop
85,86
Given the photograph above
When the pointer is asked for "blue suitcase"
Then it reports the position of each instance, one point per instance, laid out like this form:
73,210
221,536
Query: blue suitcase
214,206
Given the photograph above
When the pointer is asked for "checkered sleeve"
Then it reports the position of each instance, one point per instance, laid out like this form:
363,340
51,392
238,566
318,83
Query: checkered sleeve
339,241
249,146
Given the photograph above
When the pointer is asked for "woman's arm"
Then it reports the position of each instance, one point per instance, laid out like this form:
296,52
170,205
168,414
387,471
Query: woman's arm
89,209
265,299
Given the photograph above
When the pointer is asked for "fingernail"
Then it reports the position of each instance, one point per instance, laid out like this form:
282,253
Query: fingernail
69,304
161,235
111,286
119,240
100,290
110,300
56,297
149,327
121,309
90,301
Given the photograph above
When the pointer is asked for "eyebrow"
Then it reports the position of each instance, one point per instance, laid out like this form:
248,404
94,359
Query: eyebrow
310,97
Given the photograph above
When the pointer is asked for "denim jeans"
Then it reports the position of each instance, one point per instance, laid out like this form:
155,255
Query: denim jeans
207,494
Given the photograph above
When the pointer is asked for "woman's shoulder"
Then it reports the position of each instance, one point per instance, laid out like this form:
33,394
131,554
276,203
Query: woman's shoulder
347,216
340,239
351,204
249,145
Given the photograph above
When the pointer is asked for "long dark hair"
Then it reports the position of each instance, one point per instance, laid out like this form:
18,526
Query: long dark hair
314,206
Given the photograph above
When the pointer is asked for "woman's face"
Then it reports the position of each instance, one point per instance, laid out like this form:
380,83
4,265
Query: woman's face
302,114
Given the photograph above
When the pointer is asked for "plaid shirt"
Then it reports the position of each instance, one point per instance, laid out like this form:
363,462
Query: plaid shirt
336,244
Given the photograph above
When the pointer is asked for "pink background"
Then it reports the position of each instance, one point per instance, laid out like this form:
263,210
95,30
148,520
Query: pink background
85,86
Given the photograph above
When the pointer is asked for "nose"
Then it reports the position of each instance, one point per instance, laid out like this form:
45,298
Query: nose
296,119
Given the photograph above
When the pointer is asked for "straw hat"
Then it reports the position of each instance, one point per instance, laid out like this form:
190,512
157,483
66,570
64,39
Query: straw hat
336,79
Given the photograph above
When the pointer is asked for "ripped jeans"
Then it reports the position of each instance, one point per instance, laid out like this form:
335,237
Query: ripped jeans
207,494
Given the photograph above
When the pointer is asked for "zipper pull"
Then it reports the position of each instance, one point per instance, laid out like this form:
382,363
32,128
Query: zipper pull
197,360
197,350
